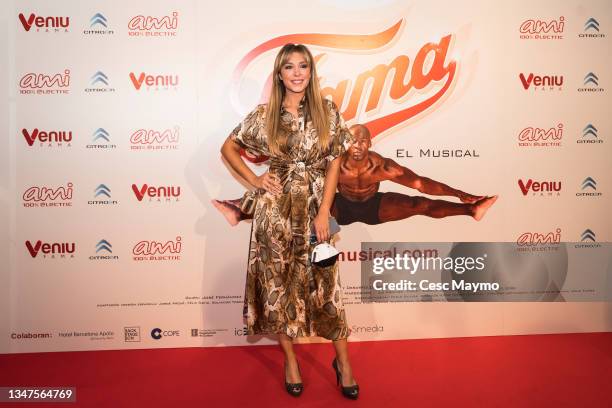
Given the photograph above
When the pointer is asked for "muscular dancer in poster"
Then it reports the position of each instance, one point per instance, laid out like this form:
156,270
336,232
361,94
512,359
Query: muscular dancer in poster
358,198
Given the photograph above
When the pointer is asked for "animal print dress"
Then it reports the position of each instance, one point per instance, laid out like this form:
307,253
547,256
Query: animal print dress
284,292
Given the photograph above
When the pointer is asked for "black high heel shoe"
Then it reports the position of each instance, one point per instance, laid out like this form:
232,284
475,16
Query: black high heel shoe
352,391
294,389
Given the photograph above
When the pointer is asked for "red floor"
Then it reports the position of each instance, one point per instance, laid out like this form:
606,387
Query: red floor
568,370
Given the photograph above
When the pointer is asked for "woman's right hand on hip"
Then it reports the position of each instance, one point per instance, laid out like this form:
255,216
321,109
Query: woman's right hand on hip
269,182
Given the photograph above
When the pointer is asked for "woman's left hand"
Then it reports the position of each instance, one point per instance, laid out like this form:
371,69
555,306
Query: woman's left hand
321,226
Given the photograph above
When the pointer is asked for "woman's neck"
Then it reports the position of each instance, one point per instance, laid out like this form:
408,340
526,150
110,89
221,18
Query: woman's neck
292,99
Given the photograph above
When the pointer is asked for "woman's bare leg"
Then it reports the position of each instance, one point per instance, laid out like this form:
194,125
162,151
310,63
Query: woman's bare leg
344,364
292,373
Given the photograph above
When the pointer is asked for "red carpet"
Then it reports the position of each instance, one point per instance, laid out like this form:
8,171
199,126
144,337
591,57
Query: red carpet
566,370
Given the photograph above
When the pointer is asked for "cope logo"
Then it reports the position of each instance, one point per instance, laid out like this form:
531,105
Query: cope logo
46,24
156,194
51,250
158,333
158,251
542,30
536,241
541,82
150,139
149,26
541,137
38,197
45,84
47,138
154,82
540,188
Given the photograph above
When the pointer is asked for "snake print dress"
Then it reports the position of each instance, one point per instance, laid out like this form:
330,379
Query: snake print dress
284,292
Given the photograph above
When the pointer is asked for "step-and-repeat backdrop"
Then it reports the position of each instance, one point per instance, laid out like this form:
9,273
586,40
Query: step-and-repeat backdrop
116,111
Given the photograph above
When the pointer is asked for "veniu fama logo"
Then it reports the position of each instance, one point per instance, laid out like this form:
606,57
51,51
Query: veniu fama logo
45,197
534,82
159,194
50,250
47,138
47,24
154,82
146,250
533,29
149,26
541,137
547,188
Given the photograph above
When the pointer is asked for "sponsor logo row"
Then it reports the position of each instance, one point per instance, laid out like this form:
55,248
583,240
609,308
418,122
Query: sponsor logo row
146,250
143,250
554,29
140,25
59,83
133,334
146,25
62,196
140,139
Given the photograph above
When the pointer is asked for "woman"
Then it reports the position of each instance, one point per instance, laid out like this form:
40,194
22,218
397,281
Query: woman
303,134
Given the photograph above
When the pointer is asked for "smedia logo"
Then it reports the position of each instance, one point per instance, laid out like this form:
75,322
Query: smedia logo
158,333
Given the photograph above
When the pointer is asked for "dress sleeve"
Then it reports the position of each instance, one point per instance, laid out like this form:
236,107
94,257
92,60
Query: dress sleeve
341,138
247,133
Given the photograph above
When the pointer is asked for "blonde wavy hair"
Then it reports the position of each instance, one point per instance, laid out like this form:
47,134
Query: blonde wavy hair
314,106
